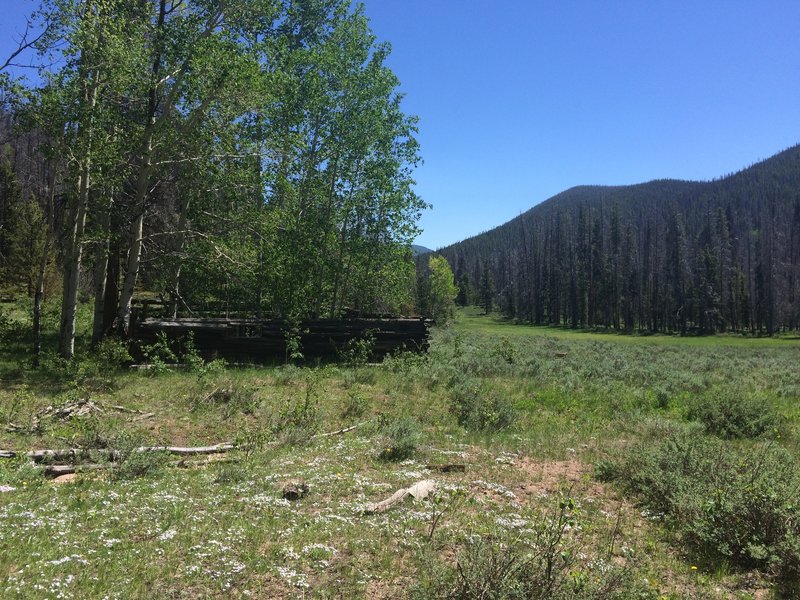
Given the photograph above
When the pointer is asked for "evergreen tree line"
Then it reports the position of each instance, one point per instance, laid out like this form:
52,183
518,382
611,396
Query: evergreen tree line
665,256
248,153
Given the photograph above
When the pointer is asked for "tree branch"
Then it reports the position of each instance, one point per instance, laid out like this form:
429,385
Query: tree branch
24,44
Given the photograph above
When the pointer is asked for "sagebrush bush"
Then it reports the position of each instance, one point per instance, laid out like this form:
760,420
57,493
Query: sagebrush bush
87,433
130,462
299,419
362,375
287,375
232,397
505,350
20,472
482,571
355,405
19,401
406,362
480,408
734,414
726,502
231,472
552,565
400,439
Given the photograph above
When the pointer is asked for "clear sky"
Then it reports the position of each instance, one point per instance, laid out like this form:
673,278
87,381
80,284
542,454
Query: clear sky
521,99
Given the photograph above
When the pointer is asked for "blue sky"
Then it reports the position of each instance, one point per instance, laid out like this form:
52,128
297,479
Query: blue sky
521,99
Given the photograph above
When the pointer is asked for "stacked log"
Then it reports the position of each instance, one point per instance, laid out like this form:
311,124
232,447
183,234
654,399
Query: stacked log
265,340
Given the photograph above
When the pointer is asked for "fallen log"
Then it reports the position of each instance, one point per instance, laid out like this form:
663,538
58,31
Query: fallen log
66,454
118,408
77,453
143,417
44,455
59,470
418,491
339,431
189,451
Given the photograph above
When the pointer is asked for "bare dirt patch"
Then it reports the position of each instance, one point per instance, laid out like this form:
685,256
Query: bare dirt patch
544,478
384,590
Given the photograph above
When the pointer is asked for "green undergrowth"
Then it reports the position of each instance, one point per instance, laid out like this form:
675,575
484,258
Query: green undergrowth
693,494
731,504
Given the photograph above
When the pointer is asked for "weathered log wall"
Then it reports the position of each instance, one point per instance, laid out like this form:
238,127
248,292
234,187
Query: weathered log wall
265,340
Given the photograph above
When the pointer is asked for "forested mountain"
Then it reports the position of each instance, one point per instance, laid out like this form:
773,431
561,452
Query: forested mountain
253,154
662,256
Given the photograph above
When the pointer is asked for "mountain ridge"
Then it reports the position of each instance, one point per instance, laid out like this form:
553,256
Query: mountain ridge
792,150
671,254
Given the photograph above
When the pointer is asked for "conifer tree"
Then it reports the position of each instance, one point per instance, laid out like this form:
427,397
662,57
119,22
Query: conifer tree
487,290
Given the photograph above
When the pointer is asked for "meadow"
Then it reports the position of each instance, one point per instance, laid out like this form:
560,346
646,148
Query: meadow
566,465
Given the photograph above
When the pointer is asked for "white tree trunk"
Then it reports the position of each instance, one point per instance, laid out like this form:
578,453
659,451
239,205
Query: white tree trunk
72,267
76,224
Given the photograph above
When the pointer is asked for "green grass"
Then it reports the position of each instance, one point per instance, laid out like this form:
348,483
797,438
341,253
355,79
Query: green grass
220,528
473,319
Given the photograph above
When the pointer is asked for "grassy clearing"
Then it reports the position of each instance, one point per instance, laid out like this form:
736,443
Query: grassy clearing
473,319
559,497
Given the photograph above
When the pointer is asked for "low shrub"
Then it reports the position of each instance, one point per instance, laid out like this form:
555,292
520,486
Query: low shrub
10,408
400,439
357,351
230,396
130,462
299,419
231,472
190,355
73,373
362,375
733,414
553,565
252,440
12,329
20,474
663,399
355,405
287,375
87,433
727,503
505,350
479,408
112,353
407,362
160,354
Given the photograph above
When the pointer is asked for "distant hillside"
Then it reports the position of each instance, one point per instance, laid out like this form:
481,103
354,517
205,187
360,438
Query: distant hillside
666,255
417,250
